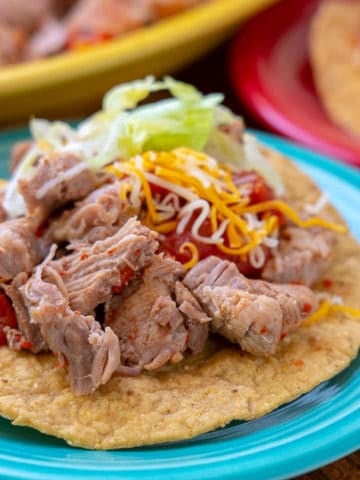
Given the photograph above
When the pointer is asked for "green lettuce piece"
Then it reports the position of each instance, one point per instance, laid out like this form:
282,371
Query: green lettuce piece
122,128
183,121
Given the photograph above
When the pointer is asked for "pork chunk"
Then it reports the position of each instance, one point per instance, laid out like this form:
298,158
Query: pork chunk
90,353
303,256
58,179
253,313
24,14
12,42
156,318
20,249
27,330
92,272
107,17
99,215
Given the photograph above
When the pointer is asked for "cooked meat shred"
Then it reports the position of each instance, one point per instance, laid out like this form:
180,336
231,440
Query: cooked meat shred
99,215
165,8
49,39
27,330
20,249
58,179
14,339
12,41
195,319
39,28
253,313
92,272
26,15
106,17
303,256
90,353
156,318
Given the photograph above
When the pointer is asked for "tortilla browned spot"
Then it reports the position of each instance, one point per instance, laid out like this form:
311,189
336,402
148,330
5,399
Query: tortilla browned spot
334,43
201,394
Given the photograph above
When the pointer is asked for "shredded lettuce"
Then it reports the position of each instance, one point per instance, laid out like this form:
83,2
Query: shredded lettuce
125,127
185,120
122,128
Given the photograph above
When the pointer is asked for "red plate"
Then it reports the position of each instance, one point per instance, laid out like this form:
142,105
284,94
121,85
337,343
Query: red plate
270,72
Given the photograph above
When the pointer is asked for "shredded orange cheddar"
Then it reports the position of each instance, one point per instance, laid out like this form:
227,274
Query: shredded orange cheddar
202,178
327,307
194,252
293,216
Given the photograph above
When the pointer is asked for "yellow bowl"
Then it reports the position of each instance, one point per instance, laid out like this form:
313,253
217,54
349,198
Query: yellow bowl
72,83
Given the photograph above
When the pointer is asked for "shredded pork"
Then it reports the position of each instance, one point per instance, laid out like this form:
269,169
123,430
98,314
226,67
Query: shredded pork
92,272
57,180
20,249
303,256
90,353
156,318
27,331
252,313
96,217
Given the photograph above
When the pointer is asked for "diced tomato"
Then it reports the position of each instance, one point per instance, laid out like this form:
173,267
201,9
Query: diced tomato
328,283
40,230
171,243
160,193
259,190
86,38
7,317
26,345
299,363
307,308
126,274
157,190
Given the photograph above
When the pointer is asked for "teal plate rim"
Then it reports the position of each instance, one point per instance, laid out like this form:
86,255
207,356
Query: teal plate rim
317,428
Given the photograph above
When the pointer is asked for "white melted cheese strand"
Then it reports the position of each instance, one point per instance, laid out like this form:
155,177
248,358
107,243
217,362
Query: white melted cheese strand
315,208
181,191
211,195
257,257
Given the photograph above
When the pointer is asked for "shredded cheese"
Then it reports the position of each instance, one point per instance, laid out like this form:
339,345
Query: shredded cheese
194,254
293,216
202,190
315,208
327,307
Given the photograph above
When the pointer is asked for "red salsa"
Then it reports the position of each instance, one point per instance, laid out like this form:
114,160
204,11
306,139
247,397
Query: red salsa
7,317
258,191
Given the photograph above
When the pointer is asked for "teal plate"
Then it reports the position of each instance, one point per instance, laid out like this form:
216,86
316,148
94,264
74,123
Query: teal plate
313,430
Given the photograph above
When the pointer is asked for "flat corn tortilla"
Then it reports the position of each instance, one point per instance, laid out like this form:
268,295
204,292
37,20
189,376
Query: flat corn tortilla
204,392
334,44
